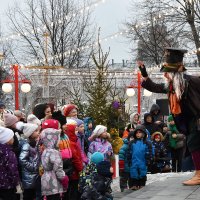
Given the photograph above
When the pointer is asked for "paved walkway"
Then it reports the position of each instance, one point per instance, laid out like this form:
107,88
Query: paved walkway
168,188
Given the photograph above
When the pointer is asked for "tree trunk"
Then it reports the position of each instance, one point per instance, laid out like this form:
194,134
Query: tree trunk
196,40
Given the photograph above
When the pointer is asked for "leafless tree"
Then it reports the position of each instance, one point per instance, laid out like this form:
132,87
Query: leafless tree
184,15
187,12
152,34
5,55
52,32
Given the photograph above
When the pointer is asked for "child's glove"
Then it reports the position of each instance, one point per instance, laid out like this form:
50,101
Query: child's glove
65,182
121,165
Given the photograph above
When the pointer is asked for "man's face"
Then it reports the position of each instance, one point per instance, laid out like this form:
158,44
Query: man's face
166,75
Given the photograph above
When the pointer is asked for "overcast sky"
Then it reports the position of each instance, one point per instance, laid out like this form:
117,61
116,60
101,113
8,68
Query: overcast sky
108,16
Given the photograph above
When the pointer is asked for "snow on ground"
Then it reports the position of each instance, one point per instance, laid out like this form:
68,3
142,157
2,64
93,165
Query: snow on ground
151,178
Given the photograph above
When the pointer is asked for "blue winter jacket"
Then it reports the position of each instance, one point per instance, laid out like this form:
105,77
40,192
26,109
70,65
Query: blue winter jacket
123,155
141,155
29,161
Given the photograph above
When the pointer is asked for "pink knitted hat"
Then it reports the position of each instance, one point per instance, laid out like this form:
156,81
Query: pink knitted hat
9,119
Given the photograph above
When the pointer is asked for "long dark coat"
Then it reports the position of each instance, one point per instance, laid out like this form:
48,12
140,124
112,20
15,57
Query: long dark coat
187,121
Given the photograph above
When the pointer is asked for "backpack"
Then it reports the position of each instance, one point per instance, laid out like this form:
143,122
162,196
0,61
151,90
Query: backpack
66,155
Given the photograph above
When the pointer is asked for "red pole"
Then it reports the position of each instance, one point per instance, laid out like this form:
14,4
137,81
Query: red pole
16,82
139,93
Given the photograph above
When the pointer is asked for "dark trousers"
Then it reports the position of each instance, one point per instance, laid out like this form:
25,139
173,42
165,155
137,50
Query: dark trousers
53,197
137,182
7,194
29,194
17,197
72,191
38,189
177,157
124,180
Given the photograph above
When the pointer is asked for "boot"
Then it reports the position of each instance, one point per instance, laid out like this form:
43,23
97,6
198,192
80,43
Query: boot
195,180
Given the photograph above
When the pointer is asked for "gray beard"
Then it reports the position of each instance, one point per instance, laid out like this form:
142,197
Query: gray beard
178,83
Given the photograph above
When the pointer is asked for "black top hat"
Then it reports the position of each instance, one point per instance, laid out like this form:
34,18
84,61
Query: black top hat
173,60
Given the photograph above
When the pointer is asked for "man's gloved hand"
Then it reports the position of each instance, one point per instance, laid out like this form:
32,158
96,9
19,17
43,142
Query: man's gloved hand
142,69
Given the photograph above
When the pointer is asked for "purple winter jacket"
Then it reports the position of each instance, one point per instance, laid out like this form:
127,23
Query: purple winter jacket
9,175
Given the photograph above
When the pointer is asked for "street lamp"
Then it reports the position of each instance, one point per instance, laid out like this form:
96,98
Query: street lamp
16,77
130,90
7,87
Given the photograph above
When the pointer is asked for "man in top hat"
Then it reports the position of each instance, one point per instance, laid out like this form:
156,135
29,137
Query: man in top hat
184,101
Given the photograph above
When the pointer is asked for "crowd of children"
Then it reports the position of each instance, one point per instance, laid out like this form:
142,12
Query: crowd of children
45,153
53,155
150,145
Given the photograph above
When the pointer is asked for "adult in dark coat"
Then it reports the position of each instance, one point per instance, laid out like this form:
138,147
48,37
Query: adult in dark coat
150,124
184,99
155,112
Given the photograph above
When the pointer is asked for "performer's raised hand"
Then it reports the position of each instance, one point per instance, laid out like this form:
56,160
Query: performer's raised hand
142,68
140,63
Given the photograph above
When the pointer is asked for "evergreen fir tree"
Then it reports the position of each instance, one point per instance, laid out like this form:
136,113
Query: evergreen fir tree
97,88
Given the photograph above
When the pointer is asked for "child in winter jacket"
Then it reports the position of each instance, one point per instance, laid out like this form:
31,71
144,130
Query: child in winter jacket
124,168
100,143
87,174
9,175
70,131
12,122
54,181
29,160
88,126
81,140
100,187
177,144
115,140
160,163
134,121
140,154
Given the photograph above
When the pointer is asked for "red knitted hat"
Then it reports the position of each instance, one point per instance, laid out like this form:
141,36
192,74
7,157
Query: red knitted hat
50,123
68,108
